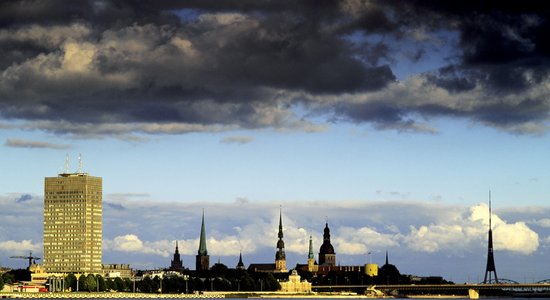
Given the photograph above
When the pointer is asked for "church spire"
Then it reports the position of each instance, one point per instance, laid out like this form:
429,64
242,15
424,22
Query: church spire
311,265
202,258
326,233
280,256
202,243
280,235
310,254
176,264
240,264
387,263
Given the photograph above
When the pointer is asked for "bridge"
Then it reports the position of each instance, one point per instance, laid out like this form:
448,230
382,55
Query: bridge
472,290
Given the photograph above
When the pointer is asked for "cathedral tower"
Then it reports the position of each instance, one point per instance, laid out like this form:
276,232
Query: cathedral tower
327,257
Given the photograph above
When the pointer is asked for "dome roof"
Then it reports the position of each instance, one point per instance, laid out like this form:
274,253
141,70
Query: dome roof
326,248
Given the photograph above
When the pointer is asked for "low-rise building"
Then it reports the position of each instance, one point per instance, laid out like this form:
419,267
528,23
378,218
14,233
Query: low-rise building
117,270
295,285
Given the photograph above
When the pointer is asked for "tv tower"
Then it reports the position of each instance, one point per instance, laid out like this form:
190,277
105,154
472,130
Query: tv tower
490,257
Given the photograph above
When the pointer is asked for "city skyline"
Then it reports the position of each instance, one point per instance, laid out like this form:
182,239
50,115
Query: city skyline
392,119
353,245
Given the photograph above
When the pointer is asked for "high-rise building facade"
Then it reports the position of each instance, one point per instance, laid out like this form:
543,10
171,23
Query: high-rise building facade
73,223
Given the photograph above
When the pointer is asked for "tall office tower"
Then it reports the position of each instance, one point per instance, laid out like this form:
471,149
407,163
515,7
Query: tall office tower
73,223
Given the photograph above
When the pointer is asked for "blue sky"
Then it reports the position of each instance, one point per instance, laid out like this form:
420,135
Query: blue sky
390,120
346,162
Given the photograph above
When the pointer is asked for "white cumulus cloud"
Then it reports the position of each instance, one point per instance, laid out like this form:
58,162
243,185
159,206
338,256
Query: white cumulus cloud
21,247
460,234
355,241
545,222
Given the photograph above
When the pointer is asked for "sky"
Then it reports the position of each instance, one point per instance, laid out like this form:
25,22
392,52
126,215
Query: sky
390,120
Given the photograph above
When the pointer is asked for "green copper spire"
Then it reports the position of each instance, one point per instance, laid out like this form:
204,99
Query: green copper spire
310,254
202,244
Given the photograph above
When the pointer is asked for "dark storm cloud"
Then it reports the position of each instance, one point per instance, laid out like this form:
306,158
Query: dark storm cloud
206,65
499,76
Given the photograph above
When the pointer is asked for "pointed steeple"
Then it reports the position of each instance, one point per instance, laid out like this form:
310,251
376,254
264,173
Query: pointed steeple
389,272
176,263
202,262
202,243
311,264
280,235
280,256
310,254
326,233
490,256
240,264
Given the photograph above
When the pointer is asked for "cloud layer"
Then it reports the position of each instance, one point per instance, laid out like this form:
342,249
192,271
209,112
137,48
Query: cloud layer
18,143
143,232
116,68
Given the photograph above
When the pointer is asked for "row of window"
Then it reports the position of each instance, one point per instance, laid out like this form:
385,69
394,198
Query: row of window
65,192
76,198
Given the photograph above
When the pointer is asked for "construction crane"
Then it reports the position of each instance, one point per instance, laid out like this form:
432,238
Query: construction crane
32,259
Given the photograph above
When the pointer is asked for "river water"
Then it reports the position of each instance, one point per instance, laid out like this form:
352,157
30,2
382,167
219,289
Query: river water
313,298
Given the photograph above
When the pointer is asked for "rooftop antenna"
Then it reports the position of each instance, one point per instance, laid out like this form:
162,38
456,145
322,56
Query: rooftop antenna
79,163
66,171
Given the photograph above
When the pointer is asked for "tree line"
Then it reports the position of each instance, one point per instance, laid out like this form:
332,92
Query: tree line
218,278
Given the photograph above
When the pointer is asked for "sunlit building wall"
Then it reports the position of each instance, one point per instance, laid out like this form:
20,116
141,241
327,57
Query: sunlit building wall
73,223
